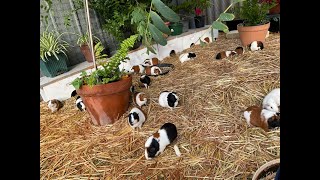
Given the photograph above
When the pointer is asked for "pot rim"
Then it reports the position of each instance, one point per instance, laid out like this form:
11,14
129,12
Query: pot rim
266,166
241,25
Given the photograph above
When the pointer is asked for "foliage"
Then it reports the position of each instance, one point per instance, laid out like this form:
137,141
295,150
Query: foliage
51,44
110,71
98,49
84,39
254,13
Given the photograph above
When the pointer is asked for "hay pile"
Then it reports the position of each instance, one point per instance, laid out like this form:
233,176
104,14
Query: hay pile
213,137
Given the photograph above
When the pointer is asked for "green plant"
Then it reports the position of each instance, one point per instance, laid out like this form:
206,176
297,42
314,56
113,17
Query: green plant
51,44
110,70
98,48
84,39
255,13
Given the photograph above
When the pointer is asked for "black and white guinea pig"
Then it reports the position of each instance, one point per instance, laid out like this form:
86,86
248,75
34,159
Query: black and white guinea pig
272,101
153,70
172,53
192,45
137,69
255,46
145,81
168,99
54,105
152,62
263,118
239,50
225,54
79,103
136,118
156,143
187,57
140,98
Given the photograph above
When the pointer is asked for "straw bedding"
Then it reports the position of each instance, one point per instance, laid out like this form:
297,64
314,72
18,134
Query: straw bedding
213,137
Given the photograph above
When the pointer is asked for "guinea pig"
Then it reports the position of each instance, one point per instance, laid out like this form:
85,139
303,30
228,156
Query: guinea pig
137,69
140,98
79,103
153,70
263,118
168,99
239,50
145,81
156,143
136,118
207,40
187,57
225,54
172,53
192,45
125,65
271,101
255,46
152,62
54,105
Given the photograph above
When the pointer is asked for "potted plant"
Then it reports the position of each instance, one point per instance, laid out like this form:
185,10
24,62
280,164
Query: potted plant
84,45
106,91
200,6
176,28
53,57
256,24
235,10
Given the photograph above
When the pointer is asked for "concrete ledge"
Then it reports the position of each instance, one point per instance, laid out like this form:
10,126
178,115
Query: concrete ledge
60,87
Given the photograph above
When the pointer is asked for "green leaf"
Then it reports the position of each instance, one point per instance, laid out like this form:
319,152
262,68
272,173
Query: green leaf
236,1
76,83
202,44
158,22
226,17
150,48
157,35
165,11
219,25
226,30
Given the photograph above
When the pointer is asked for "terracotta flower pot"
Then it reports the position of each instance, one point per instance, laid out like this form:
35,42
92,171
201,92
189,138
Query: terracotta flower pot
86,52
249,34
106,103
269,167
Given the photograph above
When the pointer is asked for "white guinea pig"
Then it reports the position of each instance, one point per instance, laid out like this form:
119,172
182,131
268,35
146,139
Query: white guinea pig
272,100
54,105
255,46
136,117
156,143
263,118
140,98
125,65
187,57
168,99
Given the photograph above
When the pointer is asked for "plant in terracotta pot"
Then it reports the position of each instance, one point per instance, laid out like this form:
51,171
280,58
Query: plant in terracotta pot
106,90
256,23
83,42
53,57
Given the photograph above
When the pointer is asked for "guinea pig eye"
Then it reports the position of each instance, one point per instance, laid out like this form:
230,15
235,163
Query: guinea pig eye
271,107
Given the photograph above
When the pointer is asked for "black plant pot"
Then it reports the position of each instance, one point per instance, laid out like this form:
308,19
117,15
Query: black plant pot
274,23
232,25
199,21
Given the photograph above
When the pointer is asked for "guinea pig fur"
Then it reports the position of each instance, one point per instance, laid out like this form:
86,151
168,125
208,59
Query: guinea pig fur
239,50
79,103
154,70
138,69
152,62
168,99
172,53
140,98
54,105
156,143
136,118
256,45
225,54
145,81
271,101
207,40
187,57
258,117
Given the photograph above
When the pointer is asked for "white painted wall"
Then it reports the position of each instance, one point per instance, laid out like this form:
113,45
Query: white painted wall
62,89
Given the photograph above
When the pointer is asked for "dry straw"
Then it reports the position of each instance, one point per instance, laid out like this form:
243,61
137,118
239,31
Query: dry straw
213,137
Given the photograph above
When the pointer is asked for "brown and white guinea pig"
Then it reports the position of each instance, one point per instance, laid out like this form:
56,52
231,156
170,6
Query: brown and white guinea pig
187,57
54,105
152,62
153,70
137,69
255,46
168,99
79,103
140,98
271,101
207,40
192,45
136,117
156,143
263,118
225,54
145,81
239,50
